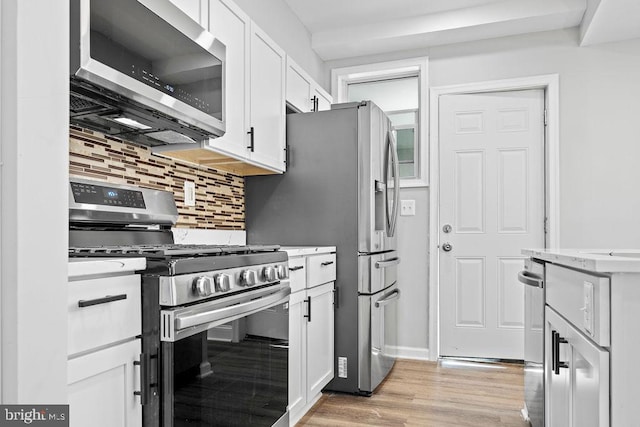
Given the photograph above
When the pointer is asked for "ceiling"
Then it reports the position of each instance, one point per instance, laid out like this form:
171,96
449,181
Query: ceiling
347,28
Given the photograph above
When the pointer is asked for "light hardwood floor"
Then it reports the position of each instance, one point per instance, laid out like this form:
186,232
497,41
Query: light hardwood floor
419,393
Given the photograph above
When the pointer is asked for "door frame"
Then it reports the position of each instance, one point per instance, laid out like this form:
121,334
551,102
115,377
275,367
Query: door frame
550,84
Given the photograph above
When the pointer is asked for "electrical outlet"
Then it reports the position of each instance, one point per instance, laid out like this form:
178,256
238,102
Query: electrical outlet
189,193
407,207
342,367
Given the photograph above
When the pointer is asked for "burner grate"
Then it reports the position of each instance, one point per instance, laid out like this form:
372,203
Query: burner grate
170,251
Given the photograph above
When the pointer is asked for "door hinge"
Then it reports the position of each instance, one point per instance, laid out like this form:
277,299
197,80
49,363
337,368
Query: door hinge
545,117
546,225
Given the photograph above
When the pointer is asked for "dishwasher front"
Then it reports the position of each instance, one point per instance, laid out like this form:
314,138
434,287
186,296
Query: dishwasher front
533,278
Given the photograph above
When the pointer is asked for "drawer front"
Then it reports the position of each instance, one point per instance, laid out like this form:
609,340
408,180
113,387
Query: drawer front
297,273
322,269
582,298
111,312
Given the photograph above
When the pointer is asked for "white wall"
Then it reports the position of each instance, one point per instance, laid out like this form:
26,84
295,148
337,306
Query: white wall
33,188
599,142
283,26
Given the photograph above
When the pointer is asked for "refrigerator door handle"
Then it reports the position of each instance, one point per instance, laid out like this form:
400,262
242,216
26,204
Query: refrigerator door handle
389,298
387,263
393,216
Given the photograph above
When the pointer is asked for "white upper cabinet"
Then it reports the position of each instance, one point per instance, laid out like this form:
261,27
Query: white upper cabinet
267,112
303,93
323,99
254,142
196,9
233,28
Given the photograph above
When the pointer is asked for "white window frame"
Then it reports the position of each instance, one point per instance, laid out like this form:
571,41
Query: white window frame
342,77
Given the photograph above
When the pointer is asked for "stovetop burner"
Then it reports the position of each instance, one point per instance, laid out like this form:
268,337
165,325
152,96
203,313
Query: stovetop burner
170,251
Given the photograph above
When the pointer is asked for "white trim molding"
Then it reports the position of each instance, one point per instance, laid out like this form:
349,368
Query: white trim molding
550,84
341,77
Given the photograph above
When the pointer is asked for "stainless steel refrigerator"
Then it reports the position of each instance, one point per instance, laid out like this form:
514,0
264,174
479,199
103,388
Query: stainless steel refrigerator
341,189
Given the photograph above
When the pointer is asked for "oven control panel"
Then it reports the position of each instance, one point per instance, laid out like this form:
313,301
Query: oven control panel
107,196
189,288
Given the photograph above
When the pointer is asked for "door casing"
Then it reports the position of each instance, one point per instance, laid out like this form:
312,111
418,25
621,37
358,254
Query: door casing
550,84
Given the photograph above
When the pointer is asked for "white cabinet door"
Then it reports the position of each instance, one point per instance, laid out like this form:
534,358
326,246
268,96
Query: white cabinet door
196,9
298,88
324,100
579,394
101,387
558,387
232,27
320,333
297,354
267,109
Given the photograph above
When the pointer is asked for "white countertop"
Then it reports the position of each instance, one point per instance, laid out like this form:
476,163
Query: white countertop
79,267
596,260
307,250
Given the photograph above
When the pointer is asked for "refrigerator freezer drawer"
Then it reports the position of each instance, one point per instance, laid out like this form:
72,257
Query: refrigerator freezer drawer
377,337
377,272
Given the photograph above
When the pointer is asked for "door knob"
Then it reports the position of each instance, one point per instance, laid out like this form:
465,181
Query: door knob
447,247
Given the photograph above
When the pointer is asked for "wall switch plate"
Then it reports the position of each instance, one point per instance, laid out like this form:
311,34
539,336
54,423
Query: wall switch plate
407,207
189,193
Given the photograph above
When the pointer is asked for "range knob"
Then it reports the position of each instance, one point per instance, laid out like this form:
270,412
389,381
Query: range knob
222,282
248,278
203,286
283,271
269,274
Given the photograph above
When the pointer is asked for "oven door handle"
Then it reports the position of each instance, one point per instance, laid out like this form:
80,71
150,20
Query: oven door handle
230,312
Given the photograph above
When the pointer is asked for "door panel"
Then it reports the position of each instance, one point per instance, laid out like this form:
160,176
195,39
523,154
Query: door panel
492,195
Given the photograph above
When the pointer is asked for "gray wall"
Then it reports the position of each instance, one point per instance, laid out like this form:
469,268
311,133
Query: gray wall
599,142
283,26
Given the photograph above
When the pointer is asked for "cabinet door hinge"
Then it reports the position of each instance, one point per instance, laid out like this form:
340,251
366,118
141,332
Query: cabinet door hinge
546,225
545,117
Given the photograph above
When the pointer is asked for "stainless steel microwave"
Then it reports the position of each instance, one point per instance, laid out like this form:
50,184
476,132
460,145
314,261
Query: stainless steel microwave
144,71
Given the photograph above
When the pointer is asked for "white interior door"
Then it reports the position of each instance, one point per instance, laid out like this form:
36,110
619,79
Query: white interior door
491,206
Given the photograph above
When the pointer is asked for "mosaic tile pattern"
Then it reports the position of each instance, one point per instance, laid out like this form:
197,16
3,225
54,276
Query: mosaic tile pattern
219,195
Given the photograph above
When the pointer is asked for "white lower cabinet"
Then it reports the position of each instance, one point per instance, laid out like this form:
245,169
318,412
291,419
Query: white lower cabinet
577,376
311,332
104,322
101,387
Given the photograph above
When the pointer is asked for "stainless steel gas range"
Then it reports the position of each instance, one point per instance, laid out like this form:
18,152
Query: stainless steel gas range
215,317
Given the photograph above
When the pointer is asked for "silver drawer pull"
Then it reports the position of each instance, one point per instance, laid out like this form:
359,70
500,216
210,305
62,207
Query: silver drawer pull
390,297
324,264
103,300
387,263
296,268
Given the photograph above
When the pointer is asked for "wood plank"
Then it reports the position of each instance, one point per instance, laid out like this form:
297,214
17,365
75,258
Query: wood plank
421,393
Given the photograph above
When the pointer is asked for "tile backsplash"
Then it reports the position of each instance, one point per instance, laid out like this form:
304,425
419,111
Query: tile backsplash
219,195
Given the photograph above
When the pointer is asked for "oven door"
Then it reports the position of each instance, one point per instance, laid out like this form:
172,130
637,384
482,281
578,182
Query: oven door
225,362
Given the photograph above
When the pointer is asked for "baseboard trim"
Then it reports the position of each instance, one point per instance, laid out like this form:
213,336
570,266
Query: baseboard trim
414,353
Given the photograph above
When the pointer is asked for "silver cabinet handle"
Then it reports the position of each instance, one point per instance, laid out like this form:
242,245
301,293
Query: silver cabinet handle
530,279
387,263
389,298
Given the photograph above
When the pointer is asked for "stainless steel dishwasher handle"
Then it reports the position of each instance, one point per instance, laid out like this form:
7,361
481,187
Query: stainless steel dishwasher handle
389,298
530,279
387,263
